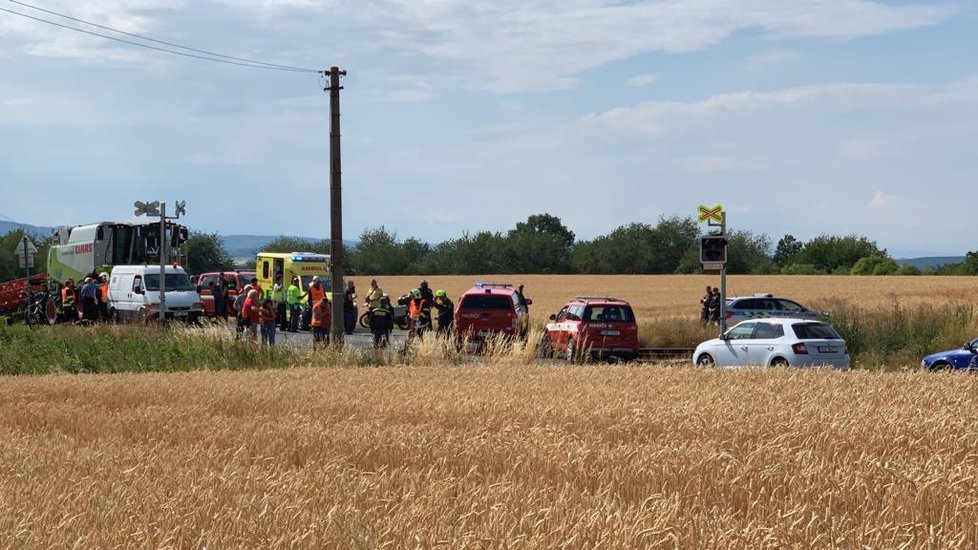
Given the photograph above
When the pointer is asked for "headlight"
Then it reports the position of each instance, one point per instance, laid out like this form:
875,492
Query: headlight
197,306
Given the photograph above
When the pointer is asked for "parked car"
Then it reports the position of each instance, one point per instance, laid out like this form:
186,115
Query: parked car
965,357
592,327
776,343
765,306
134,294
489,309
236,280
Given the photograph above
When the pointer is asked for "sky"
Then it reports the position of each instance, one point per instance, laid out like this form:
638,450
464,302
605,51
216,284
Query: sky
803,117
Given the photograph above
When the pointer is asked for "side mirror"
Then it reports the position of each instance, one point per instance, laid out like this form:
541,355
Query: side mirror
553,317
724,337
968,346
528,301
199,289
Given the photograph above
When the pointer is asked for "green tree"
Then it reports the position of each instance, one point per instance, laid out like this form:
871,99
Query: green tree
378,253
828,252
788,247
9,264
748,253
541,244
205,252
295,244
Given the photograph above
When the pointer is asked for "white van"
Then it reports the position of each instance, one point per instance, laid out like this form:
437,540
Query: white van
134,294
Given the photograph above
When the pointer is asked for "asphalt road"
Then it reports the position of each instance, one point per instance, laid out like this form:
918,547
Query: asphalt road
361,339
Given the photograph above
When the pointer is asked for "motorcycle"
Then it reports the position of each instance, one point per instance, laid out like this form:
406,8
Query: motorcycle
400,314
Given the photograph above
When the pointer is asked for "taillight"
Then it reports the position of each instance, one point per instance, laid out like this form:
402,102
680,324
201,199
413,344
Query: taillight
799,349
847,349
728,314
516,321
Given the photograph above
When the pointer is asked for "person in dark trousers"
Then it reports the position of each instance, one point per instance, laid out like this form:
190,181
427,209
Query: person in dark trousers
278,297
220,293
446,312
89,293
715,306
382,322
349,308
705,302
429,299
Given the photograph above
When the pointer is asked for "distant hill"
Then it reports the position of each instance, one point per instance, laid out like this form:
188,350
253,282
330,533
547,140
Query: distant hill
36,230
244,246
932,261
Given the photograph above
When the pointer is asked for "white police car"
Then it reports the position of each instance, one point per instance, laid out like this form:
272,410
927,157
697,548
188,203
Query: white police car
766,306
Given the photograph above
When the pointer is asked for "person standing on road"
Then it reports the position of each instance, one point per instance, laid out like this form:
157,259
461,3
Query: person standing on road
419,314
267,315
429,300
103,296
220,294
322,319
278,300
251,313
294,297
446,312
524,300
349,308
374,296
89,292
382,322
241,315
68,297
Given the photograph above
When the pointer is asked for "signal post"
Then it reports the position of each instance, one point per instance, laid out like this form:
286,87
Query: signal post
713,252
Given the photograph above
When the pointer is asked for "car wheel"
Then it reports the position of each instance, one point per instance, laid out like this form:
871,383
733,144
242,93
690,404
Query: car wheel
940,366
780,362
544,349
571,353
705,361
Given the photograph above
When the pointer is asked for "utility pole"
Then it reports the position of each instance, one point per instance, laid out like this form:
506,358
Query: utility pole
162,262
335,203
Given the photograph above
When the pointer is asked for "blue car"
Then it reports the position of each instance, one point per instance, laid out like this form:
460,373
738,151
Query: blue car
965,357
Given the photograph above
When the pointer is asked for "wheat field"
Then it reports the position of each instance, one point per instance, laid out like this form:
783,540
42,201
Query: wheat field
657,296
478,456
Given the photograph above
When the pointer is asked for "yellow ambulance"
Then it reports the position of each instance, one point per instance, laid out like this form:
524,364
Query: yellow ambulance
304,265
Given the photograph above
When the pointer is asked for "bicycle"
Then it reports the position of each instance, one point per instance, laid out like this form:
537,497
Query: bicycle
41,309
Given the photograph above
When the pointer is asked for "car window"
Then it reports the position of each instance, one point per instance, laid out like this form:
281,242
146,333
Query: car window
174,282
742,331
768,331
137,283
206,281
487,301
788,305
746,304
609,314
768,305
815,331
560,314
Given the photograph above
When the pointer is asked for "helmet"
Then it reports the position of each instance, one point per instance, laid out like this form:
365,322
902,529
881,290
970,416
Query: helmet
103,276
315,279
441,294
415,293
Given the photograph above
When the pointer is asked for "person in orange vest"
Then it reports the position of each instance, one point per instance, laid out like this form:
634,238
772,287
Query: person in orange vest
103,304
68,297
418,314
322,319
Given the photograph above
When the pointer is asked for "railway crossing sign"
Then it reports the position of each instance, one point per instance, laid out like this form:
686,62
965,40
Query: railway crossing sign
711,215
146,208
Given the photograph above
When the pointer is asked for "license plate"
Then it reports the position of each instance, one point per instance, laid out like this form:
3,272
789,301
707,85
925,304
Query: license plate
610,333
827,349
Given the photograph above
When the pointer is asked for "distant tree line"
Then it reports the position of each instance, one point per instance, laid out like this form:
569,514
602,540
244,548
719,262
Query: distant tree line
543,244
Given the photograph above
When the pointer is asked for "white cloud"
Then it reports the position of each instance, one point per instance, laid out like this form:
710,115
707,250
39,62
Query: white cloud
505,46
652,118
772,59
641,80
881,201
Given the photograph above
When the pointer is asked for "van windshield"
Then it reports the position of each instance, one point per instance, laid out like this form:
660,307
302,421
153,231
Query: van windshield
174,281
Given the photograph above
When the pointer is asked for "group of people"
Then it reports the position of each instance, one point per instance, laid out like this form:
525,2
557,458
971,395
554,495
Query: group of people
710,306
92,294
262,312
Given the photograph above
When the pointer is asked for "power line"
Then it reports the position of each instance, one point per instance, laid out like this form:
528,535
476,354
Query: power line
141,37
208,57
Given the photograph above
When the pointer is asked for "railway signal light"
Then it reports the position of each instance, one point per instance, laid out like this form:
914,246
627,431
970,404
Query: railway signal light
713,249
